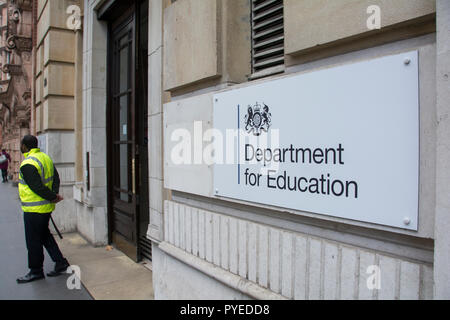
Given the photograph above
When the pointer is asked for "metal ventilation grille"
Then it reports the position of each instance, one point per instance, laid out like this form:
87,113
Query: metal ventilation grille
267,34
145,247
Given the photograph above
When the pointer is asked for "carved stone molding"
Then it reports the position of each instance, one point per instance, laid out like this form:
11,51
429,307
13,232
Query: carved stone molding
19,43
23,4
13,69
26,56
23,116
15,15
2,111
11,42
26,95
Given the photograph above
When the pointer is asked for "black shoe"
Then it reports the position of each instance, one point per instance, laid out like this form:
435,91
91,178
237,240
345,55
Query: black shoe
60,268
31,277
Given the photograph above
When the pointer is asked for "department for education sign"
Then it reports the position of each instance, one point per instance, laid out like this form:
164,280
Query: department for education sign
341,142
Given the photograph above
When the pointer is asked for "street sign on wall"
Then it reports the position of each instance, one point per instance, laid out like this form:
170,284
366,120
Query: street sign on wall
342,142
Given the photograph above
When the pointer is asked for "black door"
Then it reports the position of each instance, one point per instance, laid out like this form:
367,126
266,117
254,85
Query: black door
127,130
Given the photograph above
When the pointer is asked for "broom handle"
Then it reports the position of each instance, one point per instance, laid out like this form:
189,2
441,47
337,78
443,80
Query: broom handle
56,228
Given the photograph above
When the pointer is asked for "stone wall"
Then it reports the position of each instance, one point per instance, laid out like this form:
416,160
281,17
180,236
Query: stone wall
55,82
284,253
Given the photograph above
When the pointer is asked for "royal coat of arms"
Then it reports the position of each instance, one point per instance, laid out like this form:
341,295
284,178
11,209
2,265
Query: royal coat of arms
257,119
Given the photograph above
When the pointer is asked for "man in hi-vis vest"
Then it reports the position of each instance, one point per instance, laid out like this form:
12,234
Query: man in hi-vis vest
38,190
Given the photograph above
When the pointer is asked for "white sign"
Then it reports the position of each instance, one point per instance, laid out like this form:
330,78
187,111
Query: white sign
342,142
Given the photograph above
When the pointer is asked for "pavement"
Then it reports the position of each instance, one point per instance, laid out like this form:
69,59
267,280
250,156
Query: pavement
105,272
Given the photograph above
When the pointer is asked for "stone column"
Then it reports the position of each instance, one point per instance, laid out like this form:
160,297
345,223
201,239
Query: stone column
92,218
155,116
442,220
78,117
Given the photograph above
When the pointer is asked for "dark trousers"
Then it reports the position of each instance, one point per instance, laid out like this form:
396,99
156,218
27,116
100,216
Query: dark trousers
37,236
5,174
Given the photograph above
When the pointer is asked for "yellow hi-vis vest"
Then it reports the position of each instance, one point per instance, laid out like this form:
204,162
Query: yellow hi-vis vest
31,202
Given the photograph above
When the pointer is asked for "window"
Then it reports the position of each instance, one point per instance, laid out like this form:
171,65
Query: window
267,36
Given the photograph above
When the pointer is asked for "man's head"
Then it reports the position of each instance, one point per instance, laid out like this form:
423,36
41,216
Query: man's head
28,142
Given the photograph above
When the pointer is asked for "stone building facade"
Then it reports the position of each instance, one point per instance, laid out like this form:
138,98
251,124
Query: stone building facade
56,108
145,68
15,80
206,245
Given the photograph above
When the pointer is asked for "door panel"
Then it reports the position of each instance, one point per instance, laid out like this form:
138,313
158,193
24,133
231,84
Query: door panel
127,121
123,137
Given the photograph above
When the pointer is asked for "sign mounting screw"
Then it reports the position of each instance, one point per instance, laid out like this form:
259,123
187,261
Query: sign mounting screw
407,221
407,61
217,191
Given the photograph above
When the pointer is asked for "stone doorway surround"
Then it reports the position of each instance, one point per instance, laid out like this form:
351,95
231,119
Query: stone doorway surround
92,216
91,204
